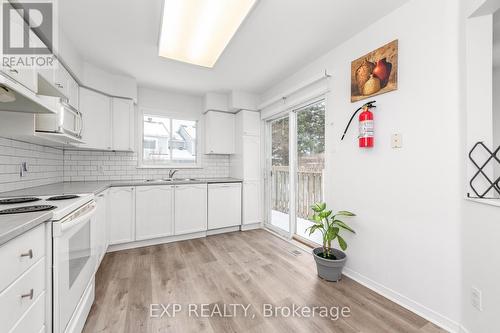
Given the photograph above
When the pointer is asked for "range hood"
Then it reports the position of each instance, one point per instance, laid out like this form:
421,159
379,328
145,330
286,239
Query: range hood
25,100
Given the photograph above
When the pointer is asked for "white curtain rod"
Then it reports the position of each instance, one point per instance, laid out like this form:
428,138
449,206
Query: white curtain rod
293,90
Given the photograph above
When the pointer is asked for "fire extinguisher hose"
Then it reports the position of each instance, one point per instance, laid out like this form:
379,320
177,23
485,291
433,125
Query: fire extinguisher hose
368,105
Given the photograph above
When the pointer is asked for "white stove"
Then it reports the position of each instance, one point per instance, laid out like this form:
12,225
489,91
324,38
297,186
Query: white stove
61,205
74,255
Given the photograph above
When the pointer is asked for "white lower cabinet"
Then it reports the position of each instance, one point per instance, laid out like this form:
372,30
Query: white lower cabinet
121,215
30,321
190,208
224,205
100,226
154,212
24,306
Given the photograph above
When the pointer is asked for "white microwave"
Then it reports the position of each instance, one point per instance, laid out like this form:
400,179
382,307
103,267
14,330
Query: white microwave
66,124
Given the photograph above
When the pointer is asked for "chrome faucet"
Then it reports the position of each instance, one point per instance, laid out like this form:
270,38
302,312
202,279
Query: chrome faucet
171,173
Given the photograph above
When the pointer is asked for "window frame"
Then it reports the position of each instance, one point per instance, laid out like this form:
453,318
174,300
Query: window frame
141,164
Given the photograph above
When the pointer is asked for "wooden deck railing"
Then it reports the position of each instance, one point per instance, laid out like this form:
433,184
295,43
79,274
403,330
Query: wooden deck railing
309,190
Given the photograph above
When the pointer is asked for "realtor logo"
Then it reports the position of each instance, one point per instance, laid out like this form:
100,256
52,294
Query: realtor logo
28,33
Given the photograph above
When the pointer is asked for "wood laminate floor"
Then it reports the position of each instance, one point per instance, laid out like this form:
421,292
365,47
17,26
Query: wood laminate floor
252,268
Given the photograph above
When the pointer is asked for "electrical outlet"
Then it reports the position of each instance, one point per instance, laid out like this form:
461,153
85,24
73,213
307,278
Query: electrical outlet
396,141
477,298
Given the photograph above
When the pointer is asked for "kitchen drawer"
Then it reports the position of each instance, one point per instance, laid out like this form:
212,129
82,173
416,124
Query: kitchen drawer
33,320
21,295
21,253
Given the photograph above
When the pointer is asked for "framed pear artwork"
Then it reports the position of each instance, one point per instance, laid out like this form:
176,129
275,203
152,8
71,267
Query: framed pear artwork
375,73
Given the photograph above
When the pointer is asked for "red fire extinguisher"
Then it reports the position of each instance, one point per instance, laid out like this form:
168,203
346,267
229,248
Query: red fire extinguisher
366,128
366,125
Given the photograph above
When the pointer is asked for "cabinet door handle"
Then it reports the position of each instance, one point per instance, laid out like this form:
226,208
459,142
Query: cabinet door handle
15,71
28,295
58,85
27,254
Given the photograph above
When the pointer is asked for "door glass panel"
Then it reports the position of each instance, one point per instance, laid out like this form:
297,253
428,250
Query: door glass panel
280,177
310,164
79,252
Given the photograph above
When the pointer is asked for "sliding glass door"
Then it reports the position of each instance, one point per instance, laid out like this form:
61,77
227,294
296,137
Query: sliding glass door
296,146
310,165
279,180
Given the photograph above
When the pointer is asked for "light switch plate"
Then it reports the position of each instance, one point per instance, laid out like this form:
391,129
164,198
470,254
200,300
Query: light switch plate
397,141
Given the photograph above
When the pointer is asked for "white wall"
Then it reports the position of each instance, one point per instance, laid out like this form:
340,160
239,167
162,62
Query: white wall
407,200
173,103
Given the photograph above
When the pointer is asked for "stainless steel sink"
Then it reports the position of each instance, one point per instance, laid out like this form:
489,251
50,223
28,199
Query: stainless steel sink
168,180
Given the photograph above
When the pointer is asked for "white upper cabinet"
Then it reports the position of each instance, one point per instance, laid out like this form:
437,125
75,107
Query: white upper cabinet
96,110
154,212
108,123
25,76
123,124
68,87
121,215
190,208
73,93
224,205
58,82
248,123
219,133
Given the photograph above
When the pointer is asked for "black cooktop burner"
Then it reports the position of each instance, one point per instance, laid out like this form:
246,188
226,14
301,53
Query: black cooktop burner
26,209
17,200
63,197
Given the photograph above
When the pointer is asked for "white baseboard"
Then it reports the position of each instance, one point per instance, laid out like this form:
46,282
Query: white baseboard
170,239
463,330
155,241
415,307
251,226
223,230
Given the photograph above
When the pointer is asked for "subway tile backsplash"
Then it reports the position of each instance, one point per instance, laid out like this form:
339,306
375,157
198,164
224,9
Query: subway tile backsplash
45,165
48,165
96,165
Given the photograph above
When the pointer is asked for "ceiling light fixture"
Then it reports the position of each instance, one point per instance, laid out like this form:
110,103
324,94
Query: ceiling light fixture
198,31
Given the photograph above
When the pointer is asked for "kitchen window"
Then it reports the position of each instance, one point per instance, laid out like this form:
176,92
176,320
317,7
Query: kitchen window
168,142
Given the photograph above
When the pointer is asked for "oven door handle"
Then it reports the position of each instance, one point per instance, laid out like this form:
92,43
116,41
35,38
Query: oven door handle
62,226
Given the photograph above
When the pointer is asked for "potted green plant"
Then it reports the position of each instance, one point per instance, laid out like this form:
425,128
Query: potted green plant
329,261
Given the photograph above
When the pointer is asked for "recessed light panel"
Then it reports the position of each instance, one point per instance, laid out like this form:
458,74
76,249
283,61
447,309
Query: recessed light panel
198,31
